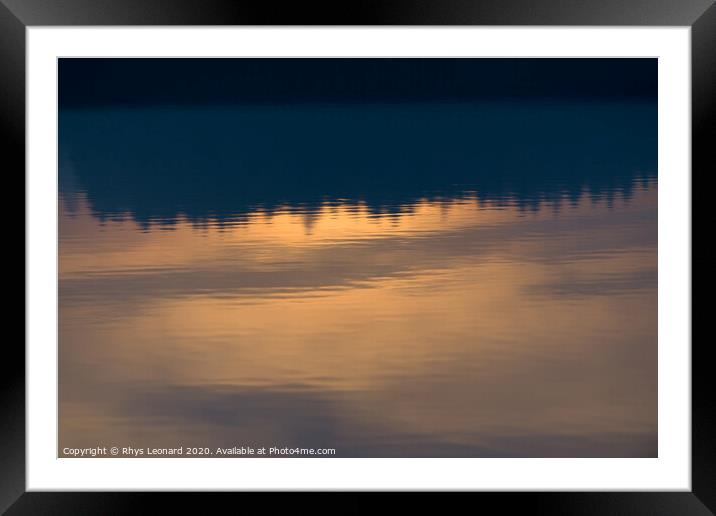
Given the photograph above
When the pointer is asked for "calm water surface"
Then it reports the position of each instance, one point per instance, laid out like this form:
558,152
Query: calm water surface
386,280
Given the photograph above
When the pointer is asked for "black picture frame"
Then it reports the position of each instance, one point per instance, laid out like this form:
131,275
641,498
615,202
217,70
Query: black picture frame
17,15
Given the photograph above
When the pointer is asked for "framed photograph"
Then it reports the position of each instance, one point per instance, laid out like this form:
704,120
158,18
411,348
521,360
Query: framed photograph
381,247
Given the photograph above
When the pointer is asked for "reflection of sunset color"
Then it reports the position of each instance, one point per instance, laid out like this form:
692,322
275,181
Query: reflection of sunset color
284,231
462,323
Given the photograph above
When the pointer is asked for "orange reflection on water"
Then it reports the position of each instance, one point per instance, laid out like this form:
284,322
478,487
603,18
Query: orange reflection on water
452,327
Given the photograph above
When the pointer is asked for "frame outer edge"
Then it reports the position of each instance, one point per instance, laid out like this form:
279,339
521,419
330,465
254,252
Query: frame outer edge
12,131
358,12
703,123
12,135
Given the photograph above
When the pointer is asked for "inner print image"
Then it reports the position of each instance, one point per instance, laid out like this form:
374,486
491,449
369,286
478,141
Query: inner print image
357,257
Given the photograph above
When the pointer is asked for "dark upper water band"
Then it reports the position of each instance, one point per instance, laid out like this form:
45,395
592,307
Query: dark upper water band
182,81
221,162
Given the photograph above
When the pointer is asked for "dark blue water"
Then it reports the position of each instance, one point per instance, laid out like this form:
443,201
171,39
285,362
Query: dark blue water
461,277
